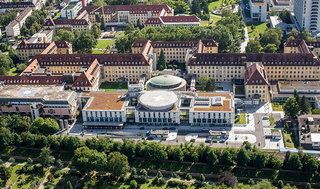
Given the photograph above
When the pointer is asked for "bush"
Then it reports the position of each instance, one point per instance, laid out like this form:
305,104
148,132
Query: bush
179,184
133,184
11,160
143,172
188,177
315,111
58,173
29,161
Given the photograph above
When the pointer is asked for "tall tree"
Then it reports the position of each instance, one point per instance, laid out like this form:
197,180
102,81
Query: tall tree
296,96
87,160
243,157
253,46
212,158
45,155
211,85
118,164
162,61
203,81
196,9
95,30
103,24
228,179
85,42
304,105
291,107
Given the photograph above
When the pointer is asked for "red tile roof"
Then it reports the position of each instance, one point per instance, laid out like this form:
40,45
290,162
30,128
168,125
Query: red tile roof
267,59
26,45
51,22
167,19
174,44
255,75
20,4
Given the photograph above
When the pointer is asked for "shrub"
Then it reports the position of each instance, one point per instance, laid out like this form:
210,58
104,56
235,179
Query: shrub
29,161
315,111
179,184
133,184
143,172
11,160
188,177
58,173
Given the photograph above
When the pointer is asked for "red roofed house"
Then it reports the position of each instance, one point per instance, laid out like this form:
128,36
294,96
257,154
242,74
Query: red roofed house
256,83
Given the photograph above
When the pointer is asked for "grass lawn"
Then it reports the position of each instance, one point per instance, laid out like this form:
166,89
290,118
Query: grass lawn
239,89
204,23
102,44
288,139
97,52
114,86
271,120
260,27
13,72
217,4
241,120
276,106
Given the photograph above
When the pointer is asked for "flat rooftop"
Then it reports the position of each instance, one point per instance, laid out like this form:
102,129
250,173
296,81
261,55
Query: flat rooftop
225,106
53,93
104,101
298,85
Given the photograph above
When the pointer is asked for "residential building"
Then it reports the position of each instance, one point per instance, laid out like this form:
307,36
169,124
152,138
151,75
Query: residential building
102,110
36,102
186,21
309,128
13,28
258,10
122,14
71,10
45,36
306,14
301,46
26,50
19,5
67,24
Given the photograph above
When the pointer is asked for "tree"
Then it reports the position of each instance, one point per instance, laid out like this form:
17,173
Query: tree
85,42
270,48
154,151
162,61
5,137
212,158
178,154
203,81
45,155
118,164
64,35
46,126
271,36
243,157
5,63
280,184
69,185
285,16
87,160
253,47
226,158
260,160
296,96
5,173
308,186
311,165
195,157
274,162
304,105
211,85
130,149
103,24
228,179
202,178
29,161
180,7
196,9
205,7
129,28
95,30
294,162
291,107
133,184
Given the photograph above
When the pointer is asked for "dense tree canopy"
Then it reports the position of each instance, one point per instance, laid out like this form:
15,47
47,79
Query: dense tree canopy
85,42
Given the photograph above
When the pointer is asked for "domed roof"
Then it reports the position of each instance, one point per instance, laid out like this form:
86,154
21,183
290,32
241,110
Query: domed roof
158,100
165,80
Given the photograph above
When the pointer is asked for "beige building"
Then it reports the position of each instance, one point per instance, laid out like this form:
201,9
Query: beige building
256,83
67,24
122,14
26,50
301,46
186,21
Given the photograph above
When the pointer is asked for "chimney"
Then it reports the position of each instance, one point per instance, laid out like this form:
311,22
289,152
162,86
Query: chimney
83,3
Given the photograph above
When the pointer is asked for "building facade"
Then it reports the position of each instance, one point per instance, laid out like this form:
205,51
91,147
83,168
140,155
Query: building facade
71,10
13,28
67,24
307,14
186,21
258,10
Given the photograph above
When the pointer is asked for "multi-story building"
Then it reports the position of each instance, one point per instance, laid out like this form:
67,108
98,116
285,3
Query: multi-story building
67,24
19,5
45,36
122,14
175,50
71,10
256,83
307,14
157,108
301,46
13,28
36,102
258,10
26,50
173,21
309,127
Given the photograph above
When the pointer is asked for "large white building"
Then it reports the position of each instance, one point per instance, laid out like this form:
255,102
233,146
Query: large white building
13,28
258,10
103,109
71,10
307,14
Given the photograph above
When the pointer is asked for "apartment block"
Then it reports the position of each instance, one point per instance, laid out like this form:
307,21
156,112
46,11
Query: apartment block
13,28
301,46
186,21
71,10
67,24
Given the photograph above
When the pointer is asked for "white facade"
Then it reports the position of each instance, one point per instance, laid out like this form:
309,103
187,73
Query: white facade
71,10
258,10
307,14
13,29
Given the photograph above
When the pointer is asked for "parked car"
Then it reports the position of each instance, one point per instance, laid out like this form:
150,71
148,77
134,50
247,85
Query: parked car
165,128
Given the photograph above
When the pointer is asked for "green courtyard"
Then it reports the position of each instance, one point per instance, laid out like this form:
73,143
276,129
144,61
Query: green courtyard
114,86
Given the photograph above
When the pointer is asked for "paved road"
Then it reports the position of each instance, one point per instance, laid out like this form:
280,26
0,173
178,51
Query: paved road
246,35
